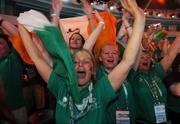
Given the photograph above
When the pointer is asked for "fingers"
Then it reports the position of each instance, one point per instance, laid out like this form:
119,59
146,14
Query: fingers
57,6
87,7
125,4
132,7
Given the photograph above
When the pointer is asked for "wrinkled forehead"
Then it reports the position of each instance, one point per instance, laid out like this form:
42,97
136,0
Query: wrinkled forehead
109,47
82,55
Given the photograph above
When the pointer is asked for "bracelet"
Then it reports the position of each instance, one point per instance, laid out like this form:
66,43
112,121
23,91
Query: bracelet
101,22
54,15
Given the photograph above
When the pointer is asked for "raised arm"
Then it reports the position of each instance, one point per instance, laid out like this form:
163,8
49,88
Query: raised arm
8,28
120,72
57,6
43,68
171,54
88,10
126,27
89,44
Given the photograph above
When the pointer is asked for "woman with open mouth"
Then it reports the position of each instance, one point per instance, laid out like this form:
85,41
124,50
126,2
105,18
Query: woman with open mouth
94,94
149,89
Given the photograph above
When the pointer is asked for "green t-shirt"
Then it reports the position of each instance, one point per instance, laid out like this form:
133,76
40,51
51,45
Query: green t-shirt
102,94
143,95
119,103
11,69
173,102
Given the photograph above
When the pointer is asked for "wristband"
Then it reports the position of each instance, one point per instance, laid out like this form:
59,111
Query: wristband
54,15
101,22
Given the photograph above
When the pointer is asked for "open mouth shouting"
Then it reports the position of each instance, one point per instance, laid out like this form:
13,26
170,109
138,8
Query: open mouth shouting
81,74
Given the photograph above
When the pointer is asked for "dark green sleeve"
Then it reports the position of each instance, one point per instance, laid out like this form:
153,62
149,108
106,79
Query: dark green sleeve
56,83
104,88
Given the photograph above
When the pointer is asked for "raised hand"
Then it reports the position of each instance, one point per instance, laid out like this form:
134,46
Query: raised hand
132,7
87,7
57,6
99,18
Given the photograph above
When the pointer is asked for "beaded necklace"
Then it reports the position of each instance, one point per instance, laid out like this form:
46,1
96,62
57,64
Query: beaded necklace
154,88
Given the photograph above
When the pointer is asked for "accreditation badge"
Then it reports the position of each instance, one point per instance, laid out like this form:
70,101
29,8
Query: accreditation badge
122,117
160,113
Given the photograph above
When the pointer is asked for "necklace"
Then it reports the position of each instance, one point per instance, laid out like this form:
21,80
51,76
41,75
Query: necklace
154,88
86,100
83,108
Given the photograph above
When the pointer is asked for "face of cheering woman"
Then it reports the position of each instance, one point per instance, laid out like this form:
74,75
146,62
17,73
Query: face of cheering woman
145,62
84,66
76,41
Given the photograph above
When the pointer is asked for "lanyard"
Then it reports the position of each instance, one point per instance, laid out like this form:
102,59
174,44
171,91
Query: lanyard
126,95
84,108
125,91
154,89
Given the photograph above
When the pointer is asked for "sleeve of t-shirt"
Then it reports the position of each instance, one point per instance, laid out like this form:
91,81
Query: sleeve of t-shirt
131,75
158,70
103,86
56,84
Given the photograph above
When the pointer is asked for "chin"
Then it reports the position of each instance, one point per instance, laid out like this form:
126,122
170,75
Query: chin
146,69
82,83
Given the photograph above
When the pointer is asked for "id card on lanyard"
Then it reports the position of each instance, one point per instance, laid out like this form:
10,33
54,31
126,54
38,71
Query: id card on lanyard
160,113
159,108
122,116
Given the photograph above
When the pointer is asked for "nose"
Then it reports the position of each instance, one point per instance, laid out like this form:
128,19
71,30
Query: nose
80,63
110,54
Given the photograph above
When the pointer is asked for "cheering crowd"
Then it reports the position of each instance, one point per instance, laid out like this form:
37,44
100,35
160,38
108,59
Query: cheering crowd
137,82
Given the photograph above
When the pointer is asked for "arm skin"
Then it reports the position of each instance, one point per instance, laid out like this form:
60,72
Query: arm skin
175,89
88,10
42,66
12,30
8,28
57,6
120,72
171,54
89,44
125,25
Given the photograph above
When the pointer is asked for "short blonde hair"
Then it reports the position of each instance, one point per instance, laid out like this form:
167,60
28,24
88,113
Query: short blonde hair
92,58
